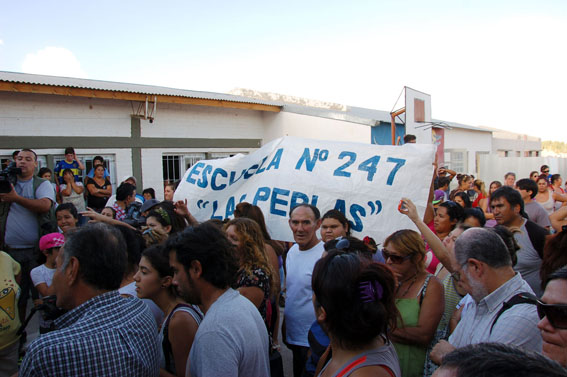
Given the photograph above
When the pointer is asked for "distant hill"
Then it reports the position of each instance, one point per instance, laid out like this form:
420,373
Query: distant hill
554,146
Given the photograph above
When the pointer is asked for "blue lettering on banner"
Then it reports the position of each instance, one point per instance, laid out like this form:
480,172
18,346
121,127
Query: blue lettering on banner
370,167
203,182
230,205
276,201
275,163
215,207
262,195
260,168
339,172
247,174
399,163
194,171
223,173
233,174
355,210
309,161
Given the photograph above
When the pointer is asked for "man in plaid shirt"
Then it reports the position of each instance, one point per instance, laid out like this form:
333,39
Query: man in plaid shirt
102,334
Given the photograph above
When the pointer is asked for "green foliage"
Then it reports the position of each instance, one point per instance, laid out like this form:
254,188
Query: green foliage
555,146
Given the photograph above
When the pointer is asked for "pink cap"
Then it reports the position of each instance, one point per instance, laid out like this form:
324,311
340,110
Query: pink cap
51,240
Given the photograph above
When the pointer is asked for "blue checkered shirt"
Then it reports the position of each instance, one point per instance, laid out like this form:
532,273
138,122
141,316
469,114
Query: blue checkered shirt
108,335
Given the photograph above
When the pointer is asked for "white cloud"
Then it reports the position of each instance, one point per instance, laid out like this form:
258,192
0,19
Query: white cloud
1,42
56,61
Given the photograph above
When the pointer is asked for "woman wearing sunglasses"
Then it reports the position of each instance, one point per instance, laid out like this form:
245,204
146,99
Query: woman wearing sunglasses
552,310
419,298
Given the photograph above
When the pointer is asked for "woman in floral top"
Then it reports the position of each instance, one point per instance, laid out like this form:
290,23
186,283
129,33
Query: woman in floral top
256,276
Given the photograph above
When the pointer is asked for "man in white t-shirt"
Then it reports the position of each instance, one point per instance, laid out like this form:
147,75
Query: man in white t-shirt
304,221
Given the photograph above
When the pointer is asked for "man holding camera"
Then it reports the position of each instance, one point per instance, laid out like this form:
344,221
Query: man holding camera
20,208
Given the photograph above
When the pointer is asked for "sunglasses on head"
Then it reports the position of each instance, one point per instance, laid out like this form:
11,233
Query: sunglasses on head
396,259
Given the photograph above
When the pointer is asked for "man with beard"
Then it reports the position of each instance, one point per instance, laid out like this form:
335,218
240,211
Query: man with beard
232,340
484,270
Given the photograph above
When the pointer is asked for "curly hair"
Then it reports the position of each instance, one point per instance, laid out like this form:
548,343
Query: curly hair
352,319
252,250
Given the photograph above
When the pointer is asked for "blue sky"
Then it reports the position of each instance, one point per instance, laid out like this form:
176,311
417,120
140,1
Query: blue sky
500,65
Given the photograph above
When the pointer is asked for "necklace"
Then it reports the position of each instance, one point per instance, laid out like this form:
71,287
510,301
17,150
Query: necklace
413,280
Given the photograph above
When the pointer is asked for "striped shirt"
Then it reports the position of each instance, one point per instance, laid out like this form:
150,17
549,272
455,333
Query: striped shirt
108,335
516,326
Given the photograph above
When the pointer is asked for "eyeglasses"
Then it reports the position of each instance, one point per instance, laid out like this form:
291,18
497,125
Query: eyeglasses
396,259
556,314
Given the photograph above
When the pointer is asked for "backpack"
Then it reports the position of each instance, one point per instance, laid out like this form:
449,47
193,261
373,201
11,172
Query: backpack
520,298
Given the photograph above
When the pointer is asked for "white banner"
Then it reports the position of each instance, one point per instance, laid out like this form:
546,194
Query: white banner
364,181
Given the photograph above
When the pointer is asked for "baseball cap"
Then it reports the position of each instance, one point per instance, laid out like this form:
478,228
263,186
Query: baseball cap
51,240
127,177
149,204
438,197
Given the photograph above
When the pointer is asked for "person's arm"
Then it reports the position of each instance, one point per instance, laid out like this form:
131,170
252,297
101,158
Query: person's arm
274,262
451,173
559,197
181,209
65,191
78,188
440,350
99,193
81,166
430,314
254,294
558,218
41,205
437,247
181,333
97,217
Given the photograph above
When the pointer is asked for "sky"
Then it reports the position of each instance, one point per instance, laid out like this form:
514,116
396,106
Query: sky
499,64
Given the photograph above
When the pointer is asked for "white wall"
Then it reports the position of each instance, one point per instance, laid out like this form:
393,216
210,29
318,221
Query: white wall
203,122
311,127
49,115
470,141
494,167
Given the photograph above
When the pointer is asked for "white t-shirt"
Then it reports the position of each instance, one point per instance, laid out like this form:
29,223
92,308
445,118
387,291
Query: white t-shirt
42,274
299,312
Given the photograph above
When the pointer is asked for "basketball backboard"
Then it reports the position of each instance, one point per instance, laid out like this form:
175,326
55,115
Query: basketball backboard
418,115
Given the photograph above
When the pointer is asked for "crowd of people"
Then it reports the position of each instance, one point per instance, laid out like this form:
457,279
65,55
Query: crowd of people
131,286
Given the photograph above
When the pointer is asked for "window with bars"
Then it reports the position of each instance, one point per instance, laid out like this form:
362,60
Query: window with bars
174,166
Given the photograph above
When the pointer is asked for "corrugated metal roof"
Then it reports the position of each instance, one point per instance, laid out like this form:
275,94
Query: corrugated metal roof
27,78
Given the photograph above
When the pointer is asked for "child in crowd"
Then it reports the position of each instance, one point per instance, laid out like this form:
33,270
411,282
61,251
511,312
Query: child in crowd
42,276
70,162
149,193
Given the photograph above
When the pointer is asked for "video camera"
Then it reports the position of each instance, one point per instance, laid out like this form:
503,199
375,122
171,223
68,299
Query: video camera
9,177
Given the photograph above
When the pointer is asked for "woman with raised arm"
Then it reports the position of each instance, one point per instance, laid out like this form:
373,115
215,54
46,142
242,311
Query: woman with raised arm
419,298
444,251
